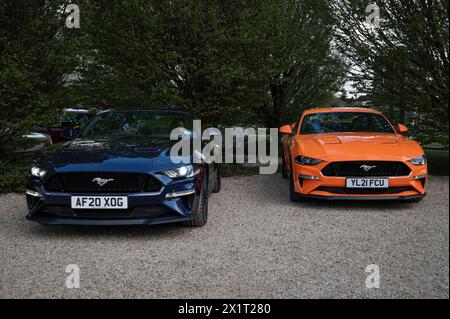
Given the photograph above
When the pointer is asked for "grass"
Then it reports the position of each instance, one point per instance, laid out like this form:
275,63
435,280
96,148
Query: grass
437,161
14,175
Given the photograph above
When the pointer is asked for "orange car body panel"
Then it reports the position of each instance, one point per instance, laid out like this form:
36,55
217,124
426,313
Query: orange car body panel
348,147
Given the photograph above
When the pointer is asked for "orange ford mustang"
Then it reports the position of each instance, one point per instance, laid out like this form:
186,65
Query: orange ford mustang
352,153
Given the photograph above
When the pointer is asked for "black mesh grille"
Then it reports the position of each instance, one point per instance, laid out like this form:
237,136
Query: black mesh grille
135,212
345,169
362,191
53,184
102,213
88,182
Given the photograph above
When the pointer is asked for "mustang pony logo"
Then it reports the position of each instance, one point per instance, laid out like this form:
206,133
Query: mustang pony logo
102,181
367,168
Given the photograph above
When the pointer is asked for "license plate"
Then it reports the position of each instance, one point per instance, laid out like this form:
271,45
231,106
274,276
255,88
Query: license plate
367,183
99,202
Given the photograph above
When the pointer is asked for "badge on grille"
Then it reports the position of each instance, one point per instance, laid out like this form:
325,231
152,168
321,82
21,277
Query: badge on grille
102,181
367,168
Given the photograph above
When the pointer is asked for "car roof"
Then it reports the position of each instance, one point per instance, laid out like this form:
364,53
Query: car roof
340,109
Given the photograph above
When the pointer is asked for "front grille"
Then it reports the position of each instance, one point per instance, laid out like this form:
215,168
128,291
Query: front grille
53,184
85,182
365,191
102,213
355,169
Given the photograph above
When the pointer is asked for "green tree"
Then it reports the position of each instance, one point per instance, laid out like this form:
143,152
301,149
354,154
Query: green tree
227,62
161,54
37,52
292,44
403,63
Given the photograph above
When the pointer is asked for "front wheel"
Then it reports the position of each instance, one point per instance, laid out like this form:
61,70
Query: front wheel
200,210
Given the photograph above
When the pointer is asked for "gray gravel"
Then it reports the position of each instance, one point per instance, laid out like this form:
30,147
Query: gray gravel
256,245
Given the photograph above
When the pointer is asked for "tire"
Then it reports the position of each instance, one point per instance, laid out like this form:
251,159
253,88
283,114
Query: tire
200,210
284,171
218,183
295,198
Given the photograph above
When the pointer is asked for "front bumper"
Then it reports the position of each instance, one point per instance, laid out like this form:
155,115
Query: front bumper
334,188
366,198
51,220
54,208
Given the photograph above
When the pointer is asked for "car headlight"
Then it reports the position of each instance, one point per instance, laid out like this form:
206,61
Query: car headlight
303,160
37,171
420,160
182,172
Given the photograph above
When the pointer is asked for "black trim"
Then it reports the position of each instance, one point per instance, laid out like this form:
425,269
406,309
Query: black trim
353,169
365,191
365,198
104,222
82,183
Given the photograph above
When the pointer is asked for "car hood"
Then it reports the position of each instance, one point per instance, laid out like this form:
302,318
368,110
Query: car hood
358,146
130,155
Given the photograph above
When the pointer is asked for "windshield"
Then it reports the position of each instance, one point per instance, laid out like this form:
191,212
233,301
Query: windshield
150,124
345,122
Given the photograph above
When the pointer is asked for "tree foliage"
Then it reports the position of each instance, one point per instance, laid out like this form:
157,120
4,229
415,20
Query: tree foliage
36,55
292,44
235,62
259,61
403,63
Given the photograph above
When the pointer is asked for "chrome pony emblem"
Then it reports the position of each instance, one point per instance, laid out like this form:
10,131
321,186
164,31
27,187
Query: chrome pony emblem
102,181
367,168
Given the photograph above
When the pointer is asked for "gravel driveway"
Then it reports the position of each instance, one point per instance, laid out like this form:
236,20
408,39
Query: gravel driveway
256,245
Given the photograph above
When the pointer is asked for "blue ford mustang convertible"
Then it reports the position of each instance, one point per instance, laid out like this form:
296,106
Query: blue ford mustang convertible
118,171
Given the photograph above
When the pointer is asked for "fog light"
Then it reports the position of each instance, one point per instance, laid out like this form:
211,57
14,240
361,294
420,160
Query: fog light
422,179
180,193
314,178
33,193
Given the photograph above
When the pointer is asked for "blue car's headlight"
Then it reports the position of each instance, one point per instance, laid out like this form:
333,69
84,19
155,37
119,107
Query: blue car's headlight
303,160
182,172
420,160
37,171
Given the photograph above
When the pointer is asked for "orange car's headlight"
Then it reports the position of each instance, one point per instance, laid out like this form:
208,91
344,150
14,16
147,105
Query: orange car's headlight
420,160
303,160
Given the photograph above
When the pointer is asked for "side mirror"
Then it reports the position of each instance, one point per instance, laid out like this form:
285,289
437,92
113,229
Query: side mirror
401,129
68,133
286,129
